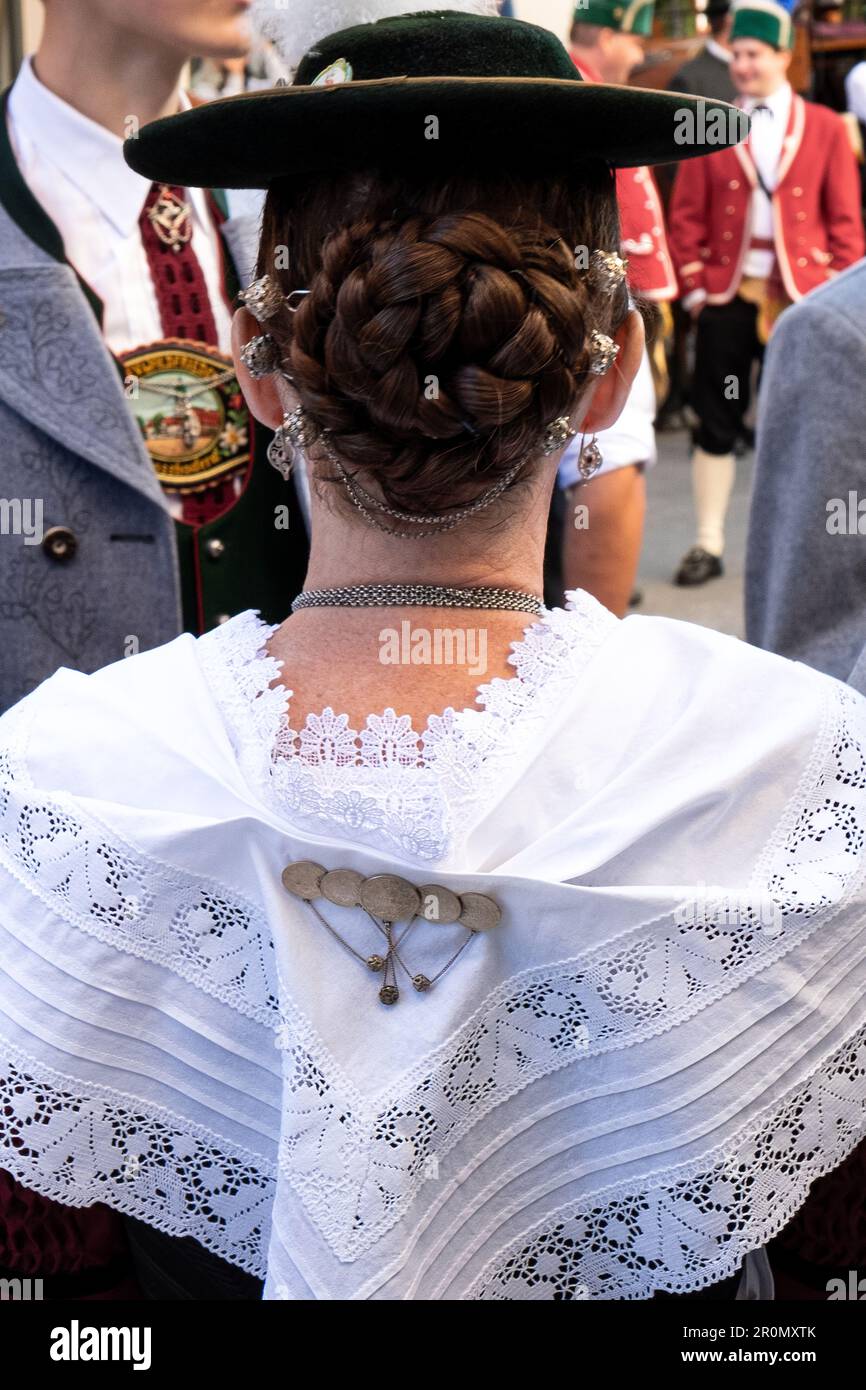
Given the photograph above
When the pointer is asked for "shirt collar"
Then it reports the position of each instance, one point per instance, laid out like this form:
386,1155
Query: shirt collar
717,50
779,101
92,157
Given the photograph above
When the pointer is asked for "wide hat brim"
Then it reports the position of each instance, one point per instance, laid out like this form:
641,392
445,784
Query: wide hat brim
252,140
432,90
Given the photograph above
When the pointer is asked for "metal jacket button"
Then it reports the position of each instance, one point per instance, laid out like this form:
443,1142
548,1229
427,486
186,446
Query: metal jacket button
215,547
59,542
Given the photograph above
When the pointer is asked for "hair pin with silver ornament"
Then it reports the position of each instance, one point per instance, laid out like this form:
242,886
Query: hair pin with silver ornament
606,271
603,352
260,355
557,435
263,297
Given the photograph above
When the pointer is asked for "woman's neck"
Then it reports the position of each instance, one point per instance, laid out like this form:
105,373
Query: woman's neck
415,659
503,551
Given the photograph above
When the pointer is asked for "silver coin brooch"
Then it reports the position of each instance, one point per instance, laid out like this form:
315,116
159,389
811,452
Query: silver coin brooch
388,899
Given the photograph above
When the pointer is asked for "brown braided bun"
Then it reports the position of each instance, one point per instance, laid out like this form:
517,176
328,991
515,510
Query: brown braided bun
447,324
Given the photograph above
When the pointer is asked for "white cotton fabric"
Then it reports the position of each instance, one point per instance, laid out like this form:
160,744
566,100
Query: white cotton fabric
627,1086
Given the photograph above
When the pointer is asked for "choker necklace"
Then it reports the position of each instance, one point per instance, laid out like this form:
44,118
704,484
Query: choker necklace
419,595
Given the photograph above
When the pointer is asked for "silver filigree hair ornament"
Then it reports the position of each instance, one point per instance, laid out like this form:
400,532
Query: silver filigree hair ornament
263,298
296,433
557,435
606,271
261,355
603,352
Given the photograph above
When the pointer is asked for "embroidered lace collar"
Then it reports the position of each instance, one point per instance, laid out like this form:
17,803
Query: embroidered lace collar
415,790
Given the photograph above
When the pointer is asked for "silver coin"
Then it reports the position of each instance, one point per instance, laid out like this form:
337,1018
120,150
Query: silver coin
303,878
342,886
391,898
480,913
439,904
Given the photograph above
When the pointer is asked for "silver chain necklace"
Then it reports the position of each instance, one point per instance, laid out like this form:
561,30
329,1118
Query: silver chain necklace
419,595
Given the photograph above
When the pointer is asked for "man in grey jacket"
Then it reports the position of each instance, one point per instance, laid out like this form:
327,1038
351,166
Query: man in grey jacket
806,547
136,500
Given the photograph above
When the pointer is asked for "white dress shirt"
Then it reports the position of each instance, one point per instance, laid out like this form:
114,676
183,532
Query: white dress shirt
765,142
75,168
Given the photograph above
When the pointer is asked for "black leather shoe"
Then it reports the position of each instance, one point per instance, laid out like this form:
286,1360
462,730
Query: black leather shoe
697,566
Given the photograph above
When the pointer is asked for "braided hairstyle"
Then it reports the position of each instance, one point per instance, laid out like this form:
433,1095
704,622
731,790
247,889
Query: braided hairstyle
447,321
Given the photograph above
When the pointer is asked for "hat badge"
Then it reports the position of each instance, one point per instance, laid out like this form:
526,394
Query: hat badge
338,71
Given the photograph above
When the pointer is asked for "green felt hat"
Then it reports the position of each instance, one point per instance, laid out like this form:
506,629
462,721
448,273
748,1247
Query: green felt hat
437,89
761,19
630,16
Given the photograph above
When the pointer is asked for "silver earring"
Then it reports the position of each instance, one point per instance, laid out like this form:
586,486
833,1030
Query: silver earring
296,433
261,355
263,298
556,435
606,271
590,459
603,352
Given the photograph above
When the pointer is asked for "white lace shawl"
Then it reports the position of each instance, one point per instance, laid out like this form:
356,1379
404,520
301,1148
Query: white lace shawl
627,1086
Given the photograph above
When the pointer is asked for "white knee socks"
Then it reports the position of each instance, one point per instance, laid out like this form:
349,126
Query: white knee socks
712,481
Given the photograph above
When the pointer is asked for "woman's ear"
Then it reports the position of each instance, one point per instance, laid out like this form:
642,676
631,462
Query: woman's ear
611,391
265,395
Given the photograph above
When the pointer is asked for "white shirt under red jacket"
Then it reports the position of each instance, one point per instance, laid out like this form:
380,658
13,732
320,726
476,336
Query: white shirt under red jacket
721,219
642,224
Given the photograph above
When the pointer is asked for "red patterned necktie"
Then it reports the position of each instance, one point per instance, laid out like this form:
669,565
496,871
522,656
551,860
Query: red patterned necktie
178,279
184,307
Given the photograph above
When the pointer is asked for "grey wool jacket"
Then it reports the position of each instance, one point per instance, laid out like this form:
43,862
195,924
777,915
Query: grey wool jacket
806,547
71,452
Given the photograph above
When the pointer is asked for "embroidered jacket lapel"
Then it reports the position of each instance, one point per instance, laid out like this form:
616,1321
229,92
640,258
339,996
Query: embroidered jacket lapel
55,369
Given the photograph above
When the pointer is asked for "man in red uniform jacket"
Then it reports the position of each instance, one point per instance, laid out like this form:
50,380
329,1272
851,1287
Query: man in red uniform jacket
753,229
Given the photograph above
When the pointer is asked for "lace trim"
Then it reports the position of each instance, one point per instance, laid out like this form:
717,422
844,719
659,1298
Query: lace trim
389,782
80,1143
734,1199
815,816
87,875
